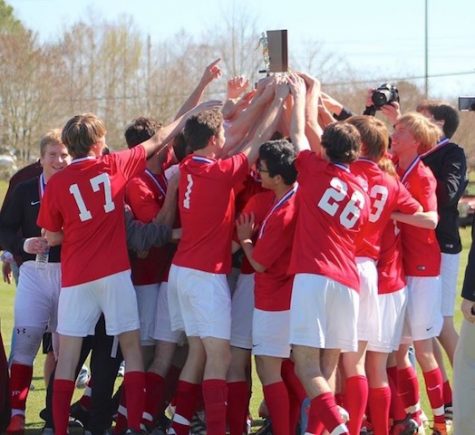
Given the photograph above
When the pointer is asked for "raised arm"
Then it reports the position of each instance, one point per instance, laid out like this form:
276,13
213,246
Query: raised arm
297,127
269,121
165,134
211,72
421,219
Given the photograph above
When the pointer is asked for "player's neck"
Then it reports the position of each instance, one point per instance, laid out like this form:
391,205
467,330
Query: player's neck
281,189
206,152
405,160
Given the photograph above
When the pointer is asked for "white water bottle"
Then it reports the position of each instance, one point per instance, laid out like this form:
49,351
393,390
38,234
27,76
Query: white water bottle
41,259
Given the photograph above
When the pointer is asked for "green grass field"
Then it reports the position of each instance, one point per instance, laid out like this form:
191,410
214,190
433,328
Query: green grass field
36,397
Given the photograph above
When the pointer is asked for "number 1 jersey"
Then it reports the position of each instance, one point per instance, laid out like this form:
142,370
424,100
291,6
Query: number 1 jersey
86,201
207,211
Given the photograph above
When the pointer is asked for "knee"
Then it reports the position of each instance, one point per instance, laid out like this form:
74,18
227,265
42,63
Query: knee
26,344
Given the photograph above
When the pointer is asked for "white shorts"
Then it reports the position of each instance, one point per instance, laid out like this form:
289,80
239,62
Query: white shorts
147,296
270,333
199,303
80,306
323,313
449,270
163,330
423,316
242,307
37,295
392,309
369,317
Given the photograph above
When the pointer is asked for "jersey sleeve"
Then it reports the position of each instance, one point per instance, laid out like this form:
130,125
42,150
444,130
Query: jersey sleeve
405,201
141,200
235,168
11,218
129,162
275,239
452,178
426,189
50,217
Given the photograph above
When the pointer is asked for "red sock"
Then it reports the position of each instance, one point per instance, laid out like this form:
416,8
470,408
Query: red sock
153,397
238,401
186,398
277,401
63,390
215,395
323,409
356,395
447,393
339,399
121,420
434,382
85,400
396,411
408,389
20,380
379,402
291,380
134,384
170,386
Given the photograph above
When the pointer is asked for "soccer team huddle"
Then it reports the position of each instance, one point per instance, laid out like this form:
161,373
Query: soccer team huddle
277,225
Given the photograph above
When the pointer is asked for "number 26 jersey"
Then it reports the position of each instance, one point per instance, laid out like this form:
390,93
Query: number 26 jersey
332,208
86,201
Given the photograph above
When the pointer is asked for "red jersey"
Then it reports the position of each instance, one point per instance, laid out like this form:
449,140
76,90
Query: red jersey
390,267
206,204
273,287
252,197
332,207
86,201
386,195
145,194
421,251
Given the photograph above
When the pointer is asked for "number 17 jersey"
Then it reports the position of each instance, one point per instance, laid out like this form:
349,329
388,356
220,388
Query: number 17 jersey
332,208
86,201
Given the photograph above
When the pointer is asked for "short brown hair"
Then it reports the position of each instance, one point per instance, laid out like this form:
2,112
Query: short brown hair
342,142
374,136
81,132
200,128
52,137
424,131
442,111
140,130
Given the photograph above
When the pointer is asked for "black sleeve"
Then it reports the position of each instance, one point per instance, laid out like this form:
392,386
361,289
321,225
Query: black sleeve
11,218
468,289
452,178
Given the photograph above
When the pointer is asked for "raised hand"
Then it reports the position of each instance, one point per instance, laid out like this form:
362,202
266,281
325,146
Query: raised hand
211,72
237,86
245,226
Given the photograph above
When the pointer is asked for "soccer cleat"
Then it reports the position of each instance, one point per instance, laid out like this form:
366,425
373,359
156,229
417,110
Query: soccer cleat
449,412
343,414
16,426
78,413
265,429
83,377
408,426
439,429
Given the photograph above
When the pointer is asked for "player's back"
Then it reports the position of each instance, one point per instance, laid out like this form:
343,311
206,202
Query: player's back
332,207
207,211
386,195
86,200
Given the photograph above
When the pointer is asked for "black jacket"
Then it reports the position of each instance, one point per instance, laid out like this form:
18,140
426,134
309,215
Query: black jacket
449,166
18,220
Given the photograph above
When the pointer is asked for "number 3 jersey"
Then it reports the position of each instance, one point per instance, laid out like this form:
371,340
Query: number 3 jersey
207,213
86,201
332,208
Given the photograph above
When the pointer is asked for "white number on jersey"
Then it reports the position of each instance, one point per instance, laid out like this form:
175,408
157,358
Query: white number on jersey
331,200
186,199
379,196
84,213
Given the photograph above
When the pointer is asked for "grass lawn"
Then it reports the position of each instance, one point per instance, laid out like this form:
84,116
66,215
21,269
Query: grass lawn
36,396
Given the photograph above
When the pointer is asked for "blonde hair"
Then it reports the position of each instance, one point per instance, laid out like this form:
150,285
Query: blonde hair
424,131
52,137
374,136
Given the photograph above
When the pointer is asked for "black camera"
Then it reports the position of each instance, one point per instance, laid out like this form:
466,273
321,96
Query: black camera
384,94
